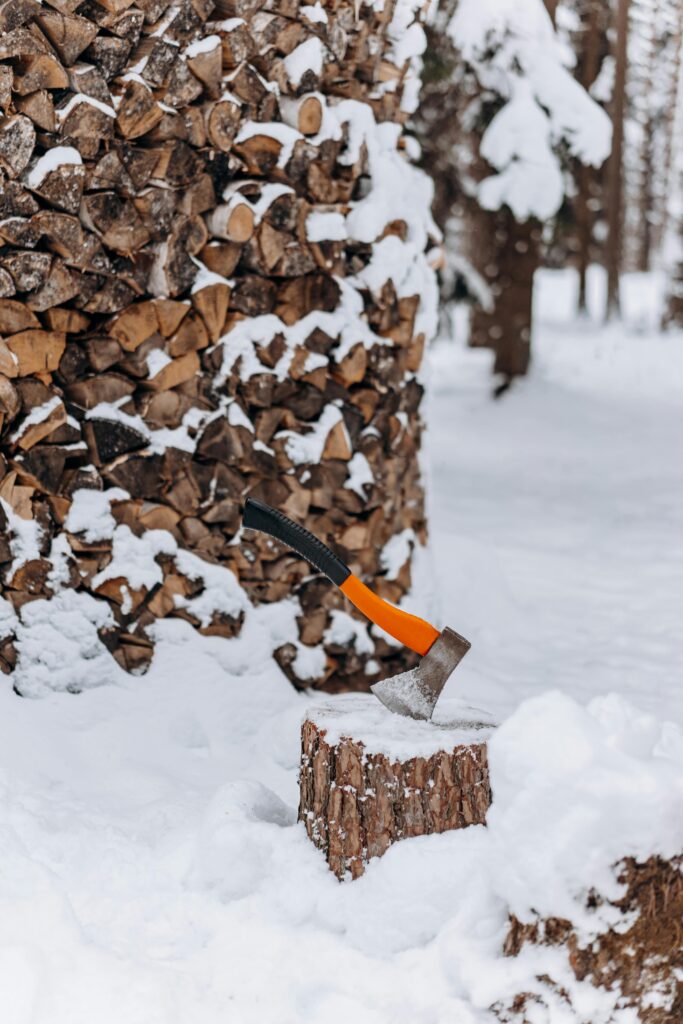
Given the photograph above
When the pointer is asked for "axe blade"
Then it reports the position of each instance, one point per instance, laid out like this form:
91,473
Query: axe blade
414,693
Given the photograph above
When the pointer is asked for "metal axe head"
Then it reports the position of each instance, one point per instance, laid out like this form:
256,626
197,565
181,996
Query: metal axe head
414,693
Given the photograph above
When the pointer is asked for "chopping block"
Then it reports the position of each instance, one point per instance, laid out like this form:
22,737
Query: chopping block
369,779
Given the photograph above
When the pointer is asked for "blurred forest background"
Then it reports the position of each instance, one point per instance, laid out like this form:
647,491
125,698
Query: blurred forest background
573,198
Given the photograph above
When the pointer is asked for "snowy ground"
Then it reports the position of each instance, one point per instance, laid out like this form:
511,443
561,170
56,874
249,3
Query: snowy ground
151,872
557,512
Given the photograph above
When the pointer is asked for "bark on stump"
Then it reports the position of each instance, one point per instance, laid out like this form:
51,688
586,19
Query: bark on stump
369,778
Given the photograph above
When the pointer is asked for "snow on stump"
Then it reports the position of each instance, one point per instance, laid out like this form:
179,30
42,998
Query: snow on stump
369,778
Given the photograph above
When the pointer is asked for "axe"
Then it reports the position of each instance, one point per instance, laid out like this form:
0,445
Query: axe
413,693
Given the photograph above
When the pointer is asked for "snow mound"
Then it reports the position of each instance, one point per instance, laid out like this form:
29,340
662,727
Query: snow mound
575,790
59,645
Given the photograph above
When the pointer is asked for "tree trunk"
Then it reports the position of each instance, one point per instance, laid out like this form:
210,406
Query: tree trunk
615,169
207,292
673,235
506,328
588,178
490,258
369,779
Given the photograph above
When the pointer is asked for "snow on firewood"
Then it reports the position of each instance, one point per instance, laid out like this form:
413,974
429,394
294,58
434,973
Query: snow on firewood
360,475
396,552
90,513
50,161
308,56
199,46
202,290
322,227
344,630
308,448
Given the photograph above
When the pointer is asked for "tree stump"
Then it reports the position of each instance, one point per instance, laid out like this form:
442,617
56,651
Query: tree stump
369,778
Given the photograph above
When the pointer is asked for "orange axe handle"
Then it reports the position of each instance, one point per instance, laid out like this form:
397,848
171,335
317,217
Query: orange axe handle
411,630
406,628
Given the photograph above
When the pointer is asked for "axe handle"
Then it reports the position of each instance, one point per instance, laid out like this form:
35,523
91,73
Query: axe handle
408,629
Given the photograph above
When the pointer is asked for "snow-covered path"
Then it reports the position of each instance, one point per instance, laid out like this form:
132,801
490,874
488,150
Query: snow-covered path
557,512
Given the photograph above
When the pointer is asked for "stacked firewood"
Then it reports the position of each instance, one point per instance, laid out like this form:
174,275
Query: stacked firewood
213,284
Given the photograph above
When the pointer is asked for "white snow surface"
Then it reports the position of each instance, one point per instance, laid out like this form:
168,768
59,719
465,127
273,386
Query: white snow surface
361,717
90,513
323,227
205,45
59,156
38,414
307,56
152,868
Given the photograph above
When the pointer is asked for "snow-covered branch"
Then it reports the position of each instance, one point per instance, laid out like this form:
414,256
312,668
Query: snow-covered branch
514,52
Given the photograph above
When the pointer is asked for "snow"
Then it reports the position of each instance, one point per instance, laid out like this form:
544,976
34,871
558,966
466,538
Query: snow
302,448
90,513
238,418
152,870
518,143
269,192
564,523
134,558
205,277
396,553
222,593
282,133
78,98
204,45
230,24
37,415
308,56
346,322
25,539
315,13
59,647
361,717
514,52
157,360
584,771
360,474
344,629
60,156
323,227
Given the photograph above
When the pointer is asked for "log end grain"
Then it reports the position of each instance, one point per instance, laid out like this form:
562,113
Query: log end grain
369,778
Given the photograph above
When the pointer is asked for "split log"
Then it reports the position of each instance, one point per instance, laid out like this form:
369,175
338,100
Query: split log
369,778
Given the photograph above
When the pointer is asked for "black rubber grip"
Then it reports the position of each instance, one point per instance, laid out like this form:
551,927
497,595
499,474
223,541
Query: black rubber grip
259,516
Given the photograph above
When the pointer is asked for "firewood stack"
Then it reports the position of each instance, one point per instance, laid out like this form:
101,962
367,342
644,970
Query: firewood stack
213,284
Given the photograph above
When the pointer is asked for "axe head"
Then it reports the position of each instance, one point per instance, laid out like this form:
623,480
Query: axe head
414,693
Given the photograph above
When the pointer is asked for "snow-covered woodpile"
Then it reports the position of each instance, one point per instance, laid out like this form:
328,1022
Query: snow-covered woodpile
214,284
641,957
369,779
